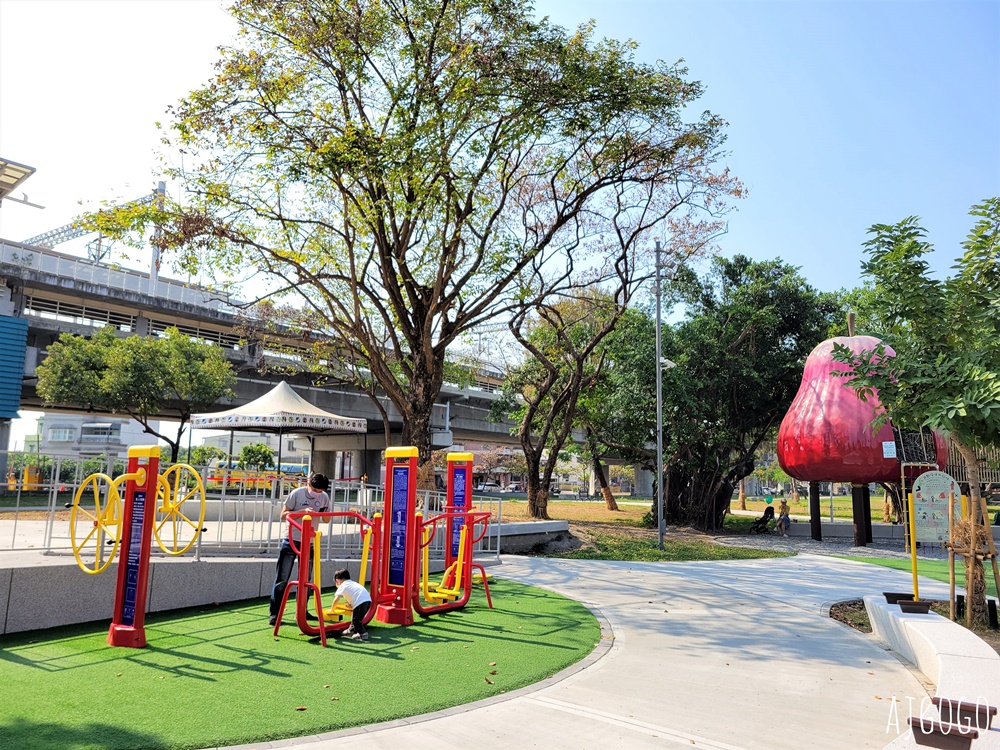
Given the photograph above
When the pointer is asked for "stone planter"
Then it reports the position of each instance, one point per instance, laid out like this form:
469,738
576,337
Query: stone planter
914,608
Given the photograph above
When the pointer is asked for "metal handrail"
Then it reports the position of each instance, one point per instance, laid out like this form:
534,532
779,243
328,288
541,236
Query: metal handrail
34,510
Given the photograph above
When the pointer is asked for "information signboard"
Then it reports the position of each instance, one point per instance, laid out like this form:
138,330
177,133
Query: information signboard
930,506
398,525
133,557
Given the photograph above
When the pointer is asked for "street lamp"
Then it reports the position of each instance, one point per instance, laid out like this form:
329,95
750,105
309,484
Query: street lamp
661,362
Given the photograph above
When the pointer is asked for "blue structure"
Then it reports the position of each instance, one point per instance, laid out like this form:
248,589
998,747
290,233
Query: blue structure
13,343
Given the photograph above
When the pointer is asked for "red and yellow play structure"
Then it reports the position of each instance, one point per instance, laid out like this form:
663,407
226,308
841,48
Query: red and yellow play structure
397,543
169,507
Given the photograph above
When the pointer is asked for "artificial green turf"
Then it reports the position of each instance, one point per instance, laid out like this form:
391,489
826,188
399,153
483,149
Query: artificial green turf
935,569
216,676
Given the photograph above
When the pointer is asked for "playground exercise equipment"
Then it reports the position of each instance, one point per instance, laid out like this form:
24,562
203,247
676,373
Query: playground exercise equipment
460,524
177,495
398,544
335,619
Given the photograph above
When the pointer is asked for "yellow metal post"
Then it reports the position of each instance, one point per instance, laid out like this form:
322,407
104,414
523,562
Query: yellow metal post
913,546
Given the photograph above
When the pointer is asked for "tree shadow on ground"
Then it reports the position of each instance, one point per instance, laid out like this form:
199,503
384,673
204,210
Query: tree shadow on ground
33,735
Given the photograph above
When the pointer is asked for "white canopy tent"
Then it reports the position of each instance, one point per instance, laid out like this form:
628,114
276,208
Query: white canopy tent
281,410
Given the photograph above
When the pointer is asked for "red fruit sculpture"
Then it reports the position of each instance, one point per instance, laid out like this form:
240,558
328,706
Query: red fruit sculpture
826,434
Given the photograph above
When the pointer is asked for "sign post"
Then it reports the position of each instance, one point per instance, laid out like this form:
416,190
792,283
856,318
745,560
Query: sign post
458,499
400,559
930,514
128,620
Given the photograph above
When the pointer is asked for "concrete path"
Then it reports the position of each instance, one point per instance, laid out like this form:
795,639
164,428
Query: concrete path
720,655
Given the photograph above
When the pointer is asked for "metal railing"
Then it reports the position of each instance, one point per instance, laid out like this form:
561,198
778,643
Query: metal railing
45,261
241,509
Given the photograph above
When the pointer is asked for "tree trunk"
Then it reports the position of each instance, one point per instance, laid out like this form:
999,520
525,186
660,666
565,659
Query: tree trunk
795,491
976,612
743,494
602,482
538,502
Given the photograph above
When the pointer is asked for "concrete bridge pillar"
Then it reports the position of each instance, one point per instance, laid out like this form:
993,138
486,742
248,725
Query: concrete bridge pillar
323,463
141,325
370,465
643,482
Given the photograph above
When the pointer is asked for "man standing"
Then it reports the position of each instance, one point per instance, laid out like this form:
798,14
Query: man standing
312,498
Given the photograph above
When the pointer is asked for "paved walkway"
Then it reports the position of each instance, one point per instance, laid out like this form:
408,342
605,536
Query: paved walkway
719,655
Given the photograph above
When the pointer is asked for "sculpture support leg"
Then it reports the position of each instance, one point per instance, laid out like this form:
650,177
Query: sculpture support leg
868,513
815,521
858,513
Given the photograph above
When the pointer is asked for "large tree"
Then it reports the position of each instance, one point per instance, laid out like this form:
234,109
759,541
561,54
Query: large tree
411,170
563,341
946,336
146,378
747,328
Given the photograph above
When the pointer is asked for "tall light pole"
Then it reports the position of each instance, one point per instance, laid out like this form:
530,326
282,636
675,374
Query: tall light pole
660,362
659,408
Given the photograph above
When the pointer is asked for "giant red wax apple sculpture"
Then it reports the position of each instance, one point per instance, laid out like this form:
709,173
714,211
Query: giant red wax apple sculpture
826,434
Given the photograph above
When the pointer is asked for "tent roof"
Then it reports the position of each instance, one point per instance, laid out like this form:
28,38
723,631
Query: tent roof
279,410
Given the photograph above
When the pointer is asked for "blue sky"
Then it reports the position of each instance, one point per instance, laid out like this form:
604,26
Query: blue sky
841,114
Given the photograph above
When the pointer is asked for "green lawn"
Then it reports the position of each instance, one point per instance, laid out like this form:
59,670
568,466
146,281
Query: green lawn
620,545
935,569
216,676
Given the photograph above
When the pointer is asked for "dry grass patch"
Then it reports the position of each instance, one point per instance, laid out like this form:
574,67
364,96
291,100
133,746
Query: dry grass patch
579,512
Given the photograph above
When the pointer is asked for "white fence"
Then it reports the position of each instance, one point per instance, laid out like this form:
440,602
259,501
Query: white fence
37,497
42,260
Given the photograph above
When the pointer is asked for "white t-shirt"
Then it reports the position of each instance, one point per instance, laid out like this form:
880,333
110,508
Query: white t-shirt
353,593
303,498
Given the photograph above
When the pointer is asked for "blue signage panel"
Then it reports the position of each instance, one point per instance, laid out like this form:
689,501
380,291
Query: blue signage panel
397,525
458,501
133,557
13,344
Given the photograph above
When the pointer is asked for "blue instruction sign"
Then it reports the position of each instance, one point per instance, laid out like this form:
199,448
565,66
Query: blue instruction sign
133,558
458,500
398,525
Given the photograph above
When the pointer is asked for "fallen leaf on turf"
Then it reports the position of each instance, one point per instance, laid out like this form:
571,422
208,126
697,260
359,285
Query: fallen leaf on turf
161,677
488,680
518,627
493,663
326,686
300,708
493,672
335,698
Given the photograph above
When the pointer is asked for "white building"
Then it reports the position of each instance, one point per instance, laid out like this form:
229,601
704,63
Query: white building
86,435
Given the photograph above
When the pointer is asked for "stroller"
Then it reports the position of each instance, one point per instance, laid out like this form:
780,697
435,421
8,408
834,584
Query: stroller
760,525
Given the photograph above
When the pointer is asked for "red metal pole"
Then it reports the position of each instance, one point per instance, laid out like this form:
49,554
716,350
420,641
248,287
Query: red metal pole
459,498
128,620
401,543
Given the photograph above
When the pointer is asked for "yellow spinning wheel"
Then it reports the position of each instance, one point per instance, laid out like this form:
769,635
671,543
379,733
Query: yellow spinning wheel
180,509
95,523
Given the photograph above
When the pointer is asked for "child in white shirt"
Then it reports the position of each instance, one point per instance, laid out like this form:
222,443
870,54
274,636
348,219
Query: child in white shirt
354,594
